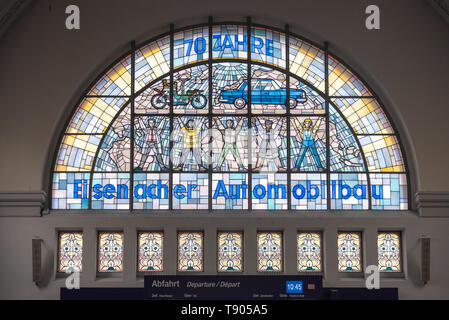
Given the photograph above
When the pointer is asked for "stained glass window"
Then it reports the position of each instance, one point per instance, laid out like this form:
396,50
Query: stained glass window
269,251
110,251
70,251
389,251
309,251
150,253
349,252
250,121
230,251
190,251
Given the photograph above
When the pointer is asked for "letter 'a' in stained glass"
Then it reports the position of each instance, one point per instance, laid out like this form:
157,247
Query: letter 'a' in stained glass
110,252
190,251
340,155
269,251
349,252
230,251
309,251
70,252
150,251
389,251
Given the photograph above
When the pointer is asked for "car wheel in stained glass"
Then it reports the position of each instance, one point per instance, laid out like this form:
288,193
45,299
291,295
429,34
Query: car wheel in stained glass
70,253
309,251
150,251
190,251
230,251
349,252
110,251
269,251
389,251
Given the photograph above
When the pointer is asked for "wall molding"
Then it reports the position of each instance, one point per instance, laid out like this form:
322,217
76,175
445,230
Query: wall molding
432,203
22,203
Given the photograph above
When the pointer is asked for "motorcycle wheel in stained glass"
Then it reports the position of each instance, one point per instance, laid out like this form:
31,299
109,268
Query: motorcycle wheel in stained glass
229,42
229,87
389,251
389,191
308,144
309,191
190,144
269,251
230,251
191,191
364,115
64,195
77,152
152,62
307,62
190,46
304,99
268,46
110,190
349,191
269,191
114,153
190,251
150,251
151,191
269,144
110,252
309,251
191,90
231,191
155,99
70,251
349,252
269,93
152,143
382,153
116,81
93,114
230,143
342,82
344,152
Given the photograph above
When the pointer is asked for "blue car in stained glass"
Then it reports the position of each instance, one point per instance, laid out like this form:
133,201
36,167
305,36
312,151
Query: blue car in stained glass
263,91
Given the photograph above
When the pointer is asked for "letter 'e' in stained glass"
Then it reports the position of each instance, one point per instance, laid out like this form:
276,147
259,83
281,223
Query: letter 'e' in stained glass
190,251
349,252
150,254
309,251
110,251
70,253
389,251
230,251
269,251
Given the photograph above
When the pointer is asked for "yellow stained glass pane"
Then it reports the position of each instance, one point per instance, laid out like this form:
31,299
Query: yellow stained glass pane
269,251
110,252
230,251
389,251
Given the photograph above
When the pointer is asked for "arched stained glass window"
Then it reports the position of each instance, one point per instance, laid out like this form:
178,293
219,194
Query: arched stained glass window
207,118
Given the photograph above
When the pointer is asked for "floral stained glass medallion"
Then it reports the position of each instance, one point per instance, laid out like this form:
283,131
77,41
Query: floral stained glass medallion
269,251
190,251
230,251
349,252
110,251
150,254
309,251
389,251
